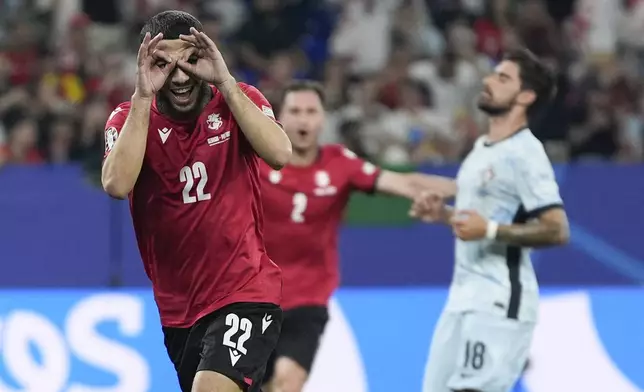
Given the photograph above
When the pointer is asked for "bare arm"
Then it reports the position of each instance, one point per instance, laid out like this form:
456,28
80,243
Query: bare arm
123,164
265,136
409,185
550,229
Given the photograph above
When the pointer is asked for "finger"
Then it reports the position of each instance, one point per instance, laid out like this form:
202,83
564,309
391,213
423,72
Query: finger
161,55
205,41
143,49
189,38
154,42
187,67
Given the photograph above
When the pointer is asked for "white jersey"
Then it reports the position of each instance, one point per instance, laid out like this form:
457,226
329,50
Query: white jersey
509,182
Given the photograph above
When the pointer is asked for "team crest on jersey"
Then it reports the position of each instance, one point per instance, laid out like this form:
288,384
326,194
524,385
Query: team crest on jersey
274,177
214,121
487,175
111,134
323,184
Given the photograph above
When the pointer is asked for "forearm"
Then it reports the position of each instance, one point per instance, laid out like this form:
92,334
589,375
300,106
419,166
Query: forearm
265,135
427,182
123,164
532,235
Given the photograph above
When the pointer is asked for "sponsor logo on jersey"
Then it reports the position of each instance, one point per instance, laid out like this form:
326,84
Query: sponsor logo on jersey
111,134
214,121
224,137
323,184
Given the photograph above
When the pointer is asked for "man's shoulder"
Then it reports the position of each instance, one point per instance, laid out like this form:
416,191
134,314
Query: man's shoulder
337,151
526,147
120,111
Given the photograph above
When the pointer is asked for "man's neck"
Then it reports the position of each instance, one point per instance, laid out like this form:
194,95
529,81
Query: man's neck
304,158
502,127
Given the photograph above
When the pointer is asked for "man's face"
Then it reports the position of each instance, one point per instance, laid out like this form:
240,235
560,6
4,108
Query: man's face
500,89
181,91
302,117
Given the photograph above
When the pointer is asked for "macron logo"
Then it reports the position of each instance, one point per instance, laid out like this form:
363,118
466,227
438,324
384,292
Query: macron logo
164,133
266,321
234,356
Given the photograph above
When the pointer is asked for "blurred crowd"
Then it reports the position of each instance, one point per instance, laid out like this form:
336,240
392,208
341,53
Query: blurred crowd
401,76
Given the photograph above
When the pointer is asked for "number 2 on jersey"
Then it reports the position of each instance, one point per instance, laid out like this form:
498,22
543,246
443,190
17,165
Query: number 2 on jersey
299,206
189,175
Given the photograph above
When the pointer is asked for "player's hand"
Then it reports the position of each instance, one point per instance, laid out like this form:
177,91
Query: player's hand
429,207
469,225
154,67
210,65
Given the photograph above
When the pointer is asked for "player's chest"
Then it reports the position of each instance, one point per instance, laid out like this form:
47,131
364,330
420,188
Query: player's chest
483,174
210,142
314,192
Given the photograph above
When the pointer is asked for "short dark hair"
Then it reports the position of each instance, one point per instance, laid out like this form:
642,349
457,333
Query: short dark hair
304,85
535,76
171,24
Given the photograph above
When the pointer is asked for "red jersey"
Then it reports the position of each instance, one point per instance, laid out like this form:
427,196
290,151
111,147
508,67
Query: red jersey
197,212
303,208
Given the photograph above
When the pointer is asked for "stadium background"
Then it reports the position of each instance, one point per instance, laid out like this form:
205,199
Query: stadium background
76,313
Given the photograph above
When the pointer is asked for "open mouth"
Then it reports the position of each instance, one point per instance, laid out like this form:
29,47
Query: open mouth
182,94
302,133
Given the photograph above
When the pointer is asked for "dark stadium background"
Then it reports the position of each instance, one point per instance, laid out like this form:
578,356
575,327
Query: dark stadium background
400,76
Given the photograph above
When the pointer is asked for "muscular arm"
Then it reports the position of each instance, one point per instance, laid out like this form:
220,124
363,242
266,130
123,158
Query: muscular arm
265,136
550,229
409,185
123,164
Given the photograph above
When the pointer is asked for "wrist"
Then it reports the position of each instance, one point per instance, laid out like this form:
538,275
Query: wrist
141,99
227,85
492,230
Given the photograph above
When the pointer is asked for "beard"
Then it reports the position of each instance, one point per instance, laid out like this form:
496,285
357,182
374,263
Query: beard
495,109
165,106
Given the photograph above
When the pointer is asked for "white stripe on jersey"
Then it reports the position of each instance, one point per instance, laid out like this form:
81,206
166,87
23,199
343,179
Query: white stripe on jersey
509,181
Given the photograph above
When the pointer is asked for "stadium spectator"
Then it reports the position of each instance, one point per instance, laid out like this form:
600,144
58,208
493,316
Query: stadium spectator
366,52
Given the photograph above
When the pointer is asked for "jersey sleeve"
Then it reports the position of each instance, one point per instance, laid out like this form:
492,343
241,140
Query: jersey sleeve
259,100
114,125
536,183
363,175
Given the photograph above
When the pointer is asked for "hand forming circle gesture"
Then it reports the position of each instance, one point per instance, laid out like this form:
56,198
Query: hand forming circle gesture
210,65
154,67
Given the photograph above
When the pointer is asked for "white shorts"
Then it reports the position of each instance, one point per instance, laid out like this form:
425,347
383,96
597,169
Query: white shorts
477,351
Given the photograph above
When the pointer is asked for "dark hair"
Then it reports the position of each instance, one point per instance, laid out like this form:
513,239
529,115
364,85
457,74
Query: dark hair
535,76
170,24
304,85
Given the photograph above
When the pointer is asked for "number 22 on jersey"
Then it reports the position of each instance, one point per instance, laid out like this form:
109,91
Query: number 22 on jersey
189,175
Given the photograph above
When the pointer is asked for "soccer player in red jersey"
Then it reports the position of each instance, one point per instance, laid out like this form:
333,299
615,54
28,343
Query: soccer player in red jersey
186,150
303,207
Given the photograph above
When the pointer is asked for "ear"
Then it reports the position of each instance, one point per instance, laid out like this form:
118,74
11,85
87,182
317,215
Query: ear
526,97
